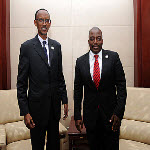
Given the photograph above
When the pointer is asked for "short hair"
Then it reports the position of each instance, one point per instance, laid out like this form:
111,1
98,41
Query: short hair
94,28
39,10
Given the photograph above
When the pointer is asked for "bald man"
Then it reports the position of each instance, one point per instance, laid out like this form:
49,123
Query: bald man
101,74
40,75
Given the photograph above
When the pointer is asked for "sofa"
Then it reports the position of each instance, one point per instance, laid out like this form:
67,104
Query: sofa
135,127
134,131
13,133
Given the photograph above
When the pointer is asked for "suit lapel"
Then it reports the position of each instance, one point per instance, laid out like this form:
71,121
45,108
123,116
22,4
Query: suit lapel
104,64
87,69
39,49
51,50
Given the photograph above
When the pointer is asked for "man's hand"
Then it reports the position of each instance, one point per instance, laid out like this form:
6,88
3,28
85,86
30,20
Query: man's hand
28,121
116,123
65,111
79,125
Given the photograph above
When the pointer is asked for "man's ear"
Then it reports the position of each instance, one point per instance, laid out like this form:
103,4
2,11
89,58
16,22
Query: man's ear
35,23
88,41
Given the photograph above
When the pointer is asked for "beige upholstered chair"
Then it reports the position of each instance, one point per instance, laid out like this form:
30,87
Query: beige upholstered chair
13,133
135,128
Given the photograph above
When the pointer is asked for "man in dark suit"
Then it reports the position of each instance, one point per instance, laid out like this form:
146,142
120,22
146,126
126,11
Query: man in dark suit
40,73
101,73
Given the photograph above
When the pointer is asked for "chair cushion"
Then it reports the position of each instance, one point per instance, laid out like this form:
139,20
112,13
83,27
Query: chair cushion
135,130
9,106
138,104
132,145
2,135
17,131
20,145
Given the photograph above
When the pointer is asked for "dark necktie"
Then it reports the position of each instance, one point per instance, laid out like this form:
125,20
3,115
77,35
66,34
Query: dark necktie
45,50
96,72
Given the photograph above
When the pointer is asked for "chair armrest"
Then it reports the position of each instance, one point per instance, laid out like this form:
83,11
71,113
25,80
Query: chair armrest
63,132
2,137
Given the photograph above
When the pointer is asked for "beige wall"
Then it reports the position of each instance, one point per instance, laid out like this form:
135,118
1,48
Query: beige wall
71,21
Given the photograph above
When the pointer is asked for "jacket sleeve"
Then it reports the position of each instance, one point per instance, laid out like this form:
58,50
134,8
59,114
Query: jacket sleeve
120,83
22,81
78,92
62,85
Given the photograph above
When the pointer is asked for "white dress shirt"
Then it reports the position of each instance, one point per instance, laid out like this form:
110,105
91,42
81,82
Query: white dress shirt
92,60
46,45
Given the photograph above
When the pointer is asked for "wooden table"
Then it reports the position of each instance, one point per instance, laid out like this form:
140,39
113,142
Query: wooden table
76,139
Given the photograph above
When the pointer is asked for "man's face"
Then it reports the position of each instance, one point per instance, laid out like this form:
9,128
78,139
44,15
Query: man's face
42,22
95,40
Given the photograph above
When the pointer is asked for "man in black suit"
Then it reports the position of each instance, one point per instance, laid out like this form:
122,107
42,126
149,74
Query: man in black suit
101,73
41,85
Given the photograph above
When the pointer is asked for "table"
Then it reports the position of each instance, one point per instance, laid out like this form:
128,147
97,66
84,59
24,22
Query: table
76,139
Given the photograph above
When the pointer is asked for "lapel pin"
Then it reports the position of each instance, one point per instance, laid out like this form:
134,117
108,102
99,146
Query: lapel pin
52,47
106,56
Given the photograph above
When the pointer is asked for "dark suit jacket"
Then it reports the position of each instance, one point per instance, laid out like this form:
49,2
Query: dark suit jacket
46,83
111,94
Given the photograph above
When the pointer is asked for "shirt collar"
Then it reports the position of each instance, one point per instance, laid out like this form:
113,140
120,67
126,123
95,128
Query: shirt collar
99,54
41,40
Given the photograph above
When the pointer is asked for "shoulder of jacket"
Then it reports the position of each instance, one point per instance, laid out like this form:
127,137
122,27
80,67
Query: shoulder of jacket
110,52
54,42
81,58
28,42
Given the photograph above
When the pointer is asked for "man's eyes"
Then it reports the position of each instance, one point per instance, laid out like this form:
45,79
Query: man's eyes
46,20
41,20
99,38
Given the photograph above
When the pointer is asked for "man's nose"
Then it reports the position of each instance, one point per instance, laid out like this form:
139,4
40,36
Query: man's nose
44,23
95,40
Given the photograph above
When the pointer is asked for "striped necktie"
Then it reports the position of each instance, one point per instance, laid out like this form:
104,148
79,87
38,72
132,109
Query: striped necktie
96,72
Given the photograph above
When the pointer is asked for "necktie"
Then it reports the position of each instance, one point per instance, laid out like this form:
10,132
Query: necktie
45,50
96,72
